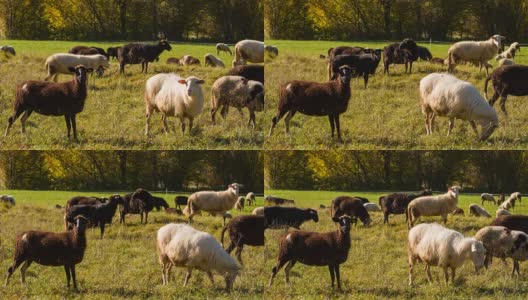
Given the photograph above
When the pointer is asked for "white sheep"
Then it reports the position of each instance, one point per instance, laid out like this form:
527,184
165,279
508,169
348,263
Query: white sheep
516,196
213,61
181,245
62,62
238,92
510,52
440,205
240,203
248,51
259,211
371,207
487,197
481,51
509,203
445,95
250,198
506,62
502,212
436,245
216,203
477,211
178,97
221,47
503,243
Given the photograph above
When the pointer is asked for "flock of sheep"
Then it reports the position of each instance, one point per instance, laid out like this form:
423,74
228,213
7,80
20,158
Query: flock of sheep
442,94
183,246
167,93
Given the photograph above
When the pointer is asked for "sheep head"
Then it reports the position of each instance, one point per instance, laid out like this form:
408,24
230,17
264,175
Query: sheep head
497,39
193,85
80,73
478,254
344,222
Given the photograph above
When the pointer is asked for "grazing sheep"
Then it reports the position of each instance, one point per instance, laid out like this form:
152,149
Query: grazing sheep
139,202
180,200
97,215
248,51
351,207
507,80
173,61
221,47
250,199
457,211
315,249
112,52
63,63
272,200
240,203
502,212
259,211
51,99
400,53
271,50
396,203
506,62
188,60
213,61
423,53
159,202
341,50
503,242
8,49
212,202
180,245
487,197
140,53
510,203
447,96
473,51
477,211
278,217
244,230
436,245
509,53
315,99
516,196
371,207
440,205
238,92
437,61
362,64
7,199
176,96
50,249
250,72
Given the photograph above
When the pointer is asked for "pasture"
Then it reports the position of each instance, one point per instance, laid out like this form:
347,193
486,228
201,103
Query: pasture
125,264
114,113
386,115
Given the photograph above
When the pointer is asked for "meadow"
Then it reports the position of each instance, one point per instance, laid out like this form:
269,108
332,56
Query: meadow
114,113
386,115
125,264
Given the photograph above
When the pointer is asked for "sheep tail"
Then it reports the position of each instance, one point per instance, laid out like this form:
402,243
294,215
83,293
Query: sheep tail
486,86
222,236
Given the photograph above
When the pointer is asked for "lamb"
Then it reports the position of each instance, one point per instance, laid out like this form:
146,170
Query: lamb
271,50
240,203
371,207
503,242
159,202
51,99
212,202
315,99
173,61
213,61
180,245
188,60
238,92
250,72
248,51
436,245
8,49
502,212
272,200
509,53
244,230
473,51
98,215
423,53
180,200
351,207
50,249
63,63
221,47
315,249
112,52
440,205
507,80
397,203
176,96
259,211
250,199
445,95
487,197
400,53
477,211
138,53
278,217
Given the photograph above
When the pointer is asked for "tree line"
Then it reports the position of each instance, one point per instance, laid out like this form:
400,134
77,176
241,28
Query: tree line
475,171
181,20
128,170
440,20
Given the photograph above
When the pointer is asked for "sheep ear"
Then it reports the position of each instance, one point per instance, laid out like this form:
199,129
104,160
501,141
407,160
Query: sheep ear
335,219
201,81
71,69
182,81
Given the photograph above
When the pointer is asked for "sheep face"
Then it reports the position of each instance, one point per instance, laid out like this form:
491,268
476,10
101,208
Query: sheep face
313,214
80,73
454,190
478,254
487,129
344,222
497,39
345,73
193,85
164,45
256,94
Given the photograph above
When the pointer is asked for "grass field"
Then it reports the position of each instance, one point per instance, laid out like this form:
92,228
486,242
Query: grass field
387,114
114,114
124,263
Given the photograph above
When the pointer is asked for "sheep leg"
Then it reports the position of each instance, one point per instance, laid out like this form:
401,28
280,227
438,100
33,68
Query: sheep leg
191,119
287,269
210,275
275,120
12,120
503,105
493,98
474,126
287,120
331,119
72,268
428,273
102,227
453,272
431,122
230,248
146,217
282,261
187,276
164,122
331,269
252,119
238,253
446,275
365,79
213,113
427,130
338,276
68,124
224,111
182,124
444,218
67,270
147,121
451,125
411,268
23,269
74,126
338,127
385,217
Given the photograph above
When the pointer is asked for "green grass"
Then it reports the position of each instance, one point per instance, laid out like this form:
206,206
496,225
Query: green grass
387,114
114,114
124,263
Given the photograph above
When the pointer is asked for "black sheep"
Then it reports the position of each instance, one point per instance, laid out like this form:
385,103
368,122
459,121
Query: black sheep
423,53
139,202
284,217
507,80
363,64
244,230
138,53
400,53
180,200
352,207
250,72
97,215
